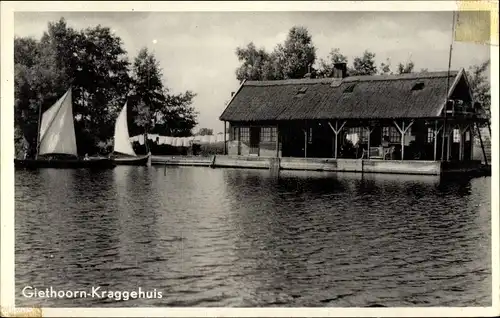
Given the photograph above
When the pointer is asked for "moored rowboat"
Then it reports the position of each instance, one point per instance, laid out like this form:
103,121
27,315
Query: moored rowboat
132,161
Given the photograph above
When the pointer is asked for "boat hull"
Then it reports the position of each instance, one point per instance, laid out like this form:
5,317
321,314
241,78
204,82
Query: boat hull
94,163
132,161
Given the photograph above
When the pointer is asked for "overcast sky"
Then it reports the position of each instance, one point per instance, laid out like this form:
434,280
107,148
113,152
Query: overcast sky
197,50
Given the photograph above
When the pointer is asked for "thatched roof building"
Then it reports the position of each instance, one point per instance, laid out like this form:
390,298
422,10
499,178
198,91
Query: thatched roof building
430,115
419,95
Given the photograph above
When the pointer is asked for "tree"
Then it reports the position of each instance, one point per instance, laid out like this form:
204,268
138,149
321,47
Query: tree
405,68
480,85
100,71
385,68
253,62
155,110
92,62
38,83
274,66
298,53
364,65
205,132
179,116
292,59
325,68
26,51
148,94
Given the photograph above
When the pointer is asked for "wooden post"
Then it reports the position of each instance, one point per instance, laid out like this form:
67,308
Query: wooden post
403,142
482,145
225,141
403,131
239,140
305,142
462,144
443,138
277,141
370,130
336,138
450,141
333,147
146,140
471,138
436,133
435,139
336,131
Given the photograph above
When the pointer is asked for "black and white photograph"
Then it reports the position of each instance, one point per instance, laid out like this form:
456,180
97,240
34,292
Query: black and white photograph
248,158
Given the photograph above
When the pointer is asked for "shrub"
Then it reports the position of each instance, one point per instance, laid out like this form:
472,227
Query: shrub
212,149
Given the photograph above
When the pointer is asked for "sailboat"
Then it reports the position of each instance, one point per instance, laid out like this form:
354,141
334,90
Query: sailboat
123,146
57,142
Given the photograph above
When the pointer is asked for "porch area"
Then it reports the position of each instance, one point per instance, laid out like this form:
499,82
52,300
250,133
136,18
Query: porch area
437,139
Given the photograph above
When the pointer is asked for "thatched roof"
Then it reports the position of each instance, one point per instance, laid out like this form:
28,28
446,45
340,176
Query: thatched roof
419,95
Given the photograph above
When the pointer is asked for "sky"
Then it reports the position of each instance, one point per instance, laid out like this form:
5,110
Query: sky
196,50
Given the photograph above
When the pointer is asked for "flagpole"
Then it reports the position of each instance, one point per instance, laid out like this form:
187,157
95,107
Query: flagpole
448,88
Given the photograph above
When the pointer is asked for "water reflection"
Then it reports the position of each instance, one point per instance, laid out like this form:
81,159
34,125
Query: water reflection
229,237
342,236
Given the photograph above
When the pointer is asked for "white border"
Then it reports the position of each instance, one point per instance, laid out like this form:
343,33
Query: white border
7,153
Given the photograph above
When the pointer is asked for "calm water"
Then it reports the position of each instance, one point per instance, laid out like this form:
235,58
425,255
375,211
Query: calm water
224,237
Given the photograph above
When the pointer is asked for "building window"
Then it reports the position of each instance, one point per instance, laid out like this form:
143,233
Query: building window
418,86
268,134
361,132
456,135
350,88
265,134
301,91
310,136
234,133
392,133
430,135
245,134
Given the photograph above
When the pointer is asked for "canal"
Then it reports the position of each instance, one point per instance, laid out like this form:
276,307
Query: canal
228,237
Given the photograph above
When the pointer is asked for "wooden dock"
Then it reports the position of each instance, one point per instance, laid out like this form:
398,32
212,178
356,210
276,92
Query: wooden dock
410,167
182,160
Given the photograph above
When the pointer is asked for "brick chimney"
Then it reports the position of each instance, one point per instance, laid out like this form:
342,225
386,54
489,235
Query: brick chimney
339,70
310,73
232,94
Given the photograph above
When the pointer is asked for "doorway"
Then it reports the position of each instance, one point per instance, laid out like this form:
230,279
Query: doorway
254,140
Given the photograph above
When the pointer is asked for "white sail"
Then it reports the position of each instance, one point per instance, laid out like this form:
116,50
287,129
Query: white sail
57,128
122,140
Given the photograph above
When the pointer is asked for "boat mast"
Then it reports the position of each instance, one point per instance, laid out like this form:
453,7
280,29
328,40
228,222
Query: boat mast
38,131
447,89
145,126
